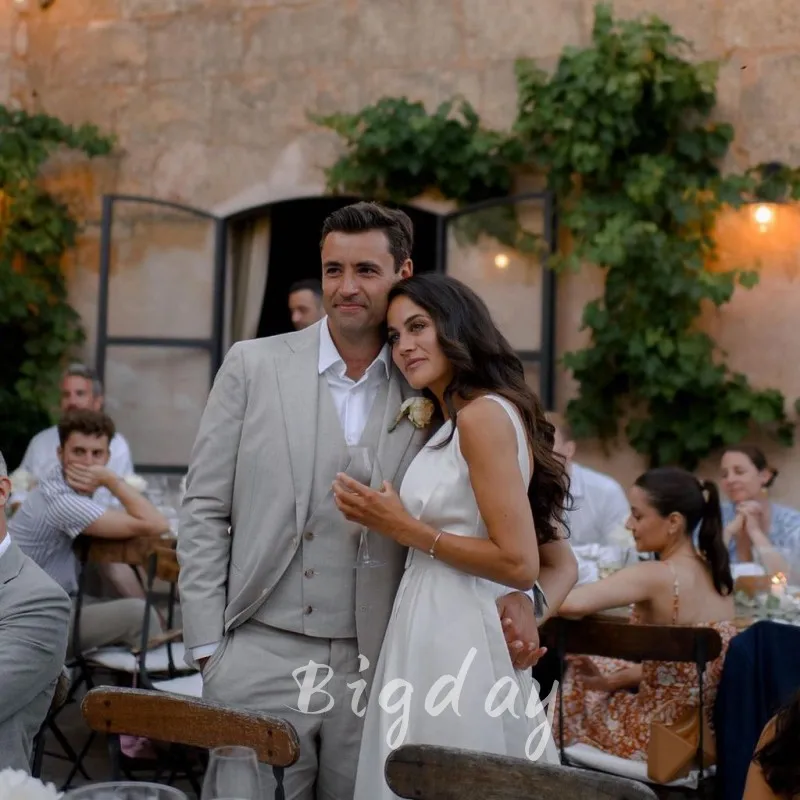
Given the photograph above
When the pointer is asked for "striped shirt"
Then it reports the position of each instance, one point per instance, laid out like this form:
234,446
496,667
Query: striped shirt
47,523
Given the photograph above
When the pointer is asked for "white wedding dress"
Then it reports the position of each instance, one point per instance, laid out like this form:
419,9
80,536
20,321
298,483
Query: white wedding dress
445,622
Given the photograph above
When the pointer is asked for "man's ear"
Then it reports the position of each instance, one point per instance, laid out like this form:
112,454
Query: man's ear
407,270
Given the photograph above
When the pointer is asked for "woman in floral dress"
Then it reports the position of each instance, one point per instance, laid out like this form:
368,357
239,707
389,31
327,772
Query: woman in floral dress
686,586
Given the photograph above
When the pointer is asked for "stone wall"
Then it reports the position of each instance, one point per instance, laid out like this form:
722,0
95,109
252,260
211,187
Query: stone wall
209,99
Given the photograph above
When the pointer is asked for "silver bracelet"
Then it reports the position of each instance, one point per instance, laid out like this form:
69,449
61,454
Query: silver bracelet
433,546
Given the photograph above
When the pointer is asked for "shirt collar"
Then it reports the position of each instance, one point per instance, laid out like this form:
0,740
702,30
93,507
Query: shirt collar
329,355
5,543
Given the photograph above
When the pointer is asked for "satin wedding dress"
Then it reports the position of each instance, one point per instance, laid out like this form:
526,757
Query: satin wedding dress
445,623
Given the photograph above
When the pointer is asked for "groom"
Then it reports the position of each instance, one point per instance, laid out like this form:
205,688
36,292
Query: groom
267,580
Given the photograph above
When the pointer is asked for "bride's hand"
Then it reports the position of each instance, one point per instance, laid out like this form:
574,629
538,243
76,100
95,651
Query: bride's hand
380,511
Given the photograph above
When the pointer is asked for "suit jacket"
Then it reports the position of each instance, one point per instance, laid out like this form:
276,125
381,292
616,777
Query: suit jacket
34,628
249,485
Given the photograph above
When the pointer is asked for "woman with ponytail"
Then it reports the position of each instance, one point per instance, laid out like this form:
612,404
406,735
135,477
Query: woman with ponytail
686,586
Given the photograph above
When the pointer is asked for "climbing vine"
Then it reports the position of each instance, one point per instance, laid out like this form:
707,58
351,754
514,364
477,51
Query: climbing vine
623,131
39,329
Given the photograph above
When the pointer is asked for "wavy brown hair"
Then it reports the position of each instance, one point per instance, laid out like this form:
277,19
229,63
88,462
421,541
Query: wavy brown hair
483,361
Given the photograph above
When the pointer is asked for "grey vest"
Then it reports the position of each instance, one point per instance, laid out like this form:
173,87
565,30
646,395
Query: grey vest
316,596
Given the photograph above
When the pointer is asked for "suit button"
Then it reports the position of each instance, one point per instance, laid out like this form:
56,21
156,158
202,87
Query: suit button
309,536
309,573
308,609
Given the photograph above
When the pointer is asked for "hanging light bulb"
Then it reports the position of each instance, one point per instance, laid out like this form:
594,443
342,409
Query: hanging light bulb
764,216
501,261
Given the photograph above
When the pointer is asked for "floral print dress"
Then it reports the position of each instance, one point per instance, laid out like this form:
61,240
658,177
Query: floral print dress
619,722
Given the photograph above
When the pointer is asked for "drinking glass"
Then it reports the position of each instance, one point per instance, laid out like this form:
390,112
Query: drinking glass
360,469
232,774
125,790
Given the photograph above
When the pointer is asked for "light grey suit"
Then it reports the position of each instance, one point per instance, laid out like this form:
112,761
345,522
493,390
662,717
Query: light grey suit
266,452
34,628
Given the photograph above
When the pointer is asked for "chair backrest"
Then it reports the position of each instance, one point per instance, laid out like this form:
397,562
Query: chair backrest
187,721
427,772
603,637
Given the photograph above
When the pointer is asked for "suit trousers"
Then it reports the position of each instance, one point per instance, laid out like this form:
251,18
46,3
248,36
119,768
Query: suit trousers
112,622
313,684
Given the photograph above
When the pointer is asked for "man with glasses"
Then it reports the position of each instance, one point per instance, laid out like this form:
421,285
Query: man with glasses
80,388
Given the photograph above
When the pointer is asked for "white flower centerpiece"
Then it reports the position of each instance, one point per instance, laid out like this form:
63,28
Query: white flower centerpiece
21,481
18,785
419,411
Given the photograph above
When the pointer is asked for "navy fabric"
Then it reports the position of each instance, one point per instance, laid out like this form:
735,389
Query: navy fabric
761,673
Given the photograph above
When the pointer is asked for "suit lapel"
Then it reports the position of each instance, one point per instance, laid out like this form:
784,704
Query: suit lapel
10,563
392,446
298,384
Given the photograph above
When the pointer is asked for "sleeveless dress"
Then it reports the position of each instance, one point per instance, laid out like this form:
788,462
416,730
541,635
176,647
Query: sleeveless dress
619,722
445,623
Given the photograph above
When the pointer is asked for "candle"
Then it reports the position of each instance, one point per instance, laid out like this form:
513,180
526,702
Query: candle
778,585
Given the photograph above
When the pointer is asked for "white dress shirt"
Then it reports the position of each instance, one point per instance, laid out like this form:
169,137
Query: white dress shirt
42,456
353,401
599,506
5,543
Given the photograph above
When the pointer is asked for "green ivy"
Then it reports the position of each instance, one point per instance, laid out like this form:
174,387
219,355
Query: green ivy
38,327
623,130
396,151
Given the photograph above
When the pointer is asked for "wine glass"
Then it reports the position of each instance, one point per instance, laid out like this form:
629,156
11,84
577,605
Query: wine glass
360,469
125,790
232,774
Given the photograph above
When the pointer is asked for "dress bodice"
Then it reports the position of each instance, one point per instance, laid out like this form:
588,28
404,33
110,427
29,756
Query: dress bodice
437,488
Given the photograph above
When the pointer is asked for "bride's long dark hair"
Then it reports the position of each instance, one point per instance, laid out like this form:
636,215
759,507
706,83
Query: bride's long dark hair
483,361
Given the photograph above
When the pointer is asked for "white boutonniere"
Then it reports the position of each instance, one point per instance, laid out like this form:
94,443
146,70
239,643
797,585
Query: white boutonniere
419,411
136,482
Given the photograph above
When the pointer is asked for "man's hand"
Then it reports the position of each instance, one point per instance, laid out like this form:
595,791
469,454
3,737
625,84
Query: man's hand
520,630
87,480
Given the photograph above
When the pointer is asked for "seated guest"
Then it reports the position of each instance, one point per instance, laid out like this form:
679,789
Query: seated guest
684,587
61,508
34,626
305,303
599,506
755,526
774,773
80,388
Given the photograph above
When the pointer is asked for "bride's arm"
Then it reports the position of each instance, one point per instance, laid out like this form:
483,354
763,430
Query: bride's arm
558,574
637,584
510,555
489,445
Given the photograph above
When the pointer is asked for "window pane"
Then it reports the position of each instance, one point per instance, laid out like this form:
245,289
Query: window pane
156,397
161,281
496,253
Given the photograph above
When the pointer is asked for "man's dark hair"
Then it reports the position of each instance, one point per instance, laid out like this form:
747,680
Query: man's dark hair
87,422
363,216
312,284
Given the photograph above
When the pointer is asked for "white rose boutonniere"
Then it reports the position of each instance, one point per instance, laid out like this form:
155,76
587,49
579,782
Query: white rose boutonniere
419,411
21,481
136,482
18,785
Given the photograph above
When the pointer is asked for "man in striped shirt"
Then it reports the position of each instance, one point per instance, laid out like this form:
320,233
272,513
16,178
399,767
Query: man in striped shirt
61,508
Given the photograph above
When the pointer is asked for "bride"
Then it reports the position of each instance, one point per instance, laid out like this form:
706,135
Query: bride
475,505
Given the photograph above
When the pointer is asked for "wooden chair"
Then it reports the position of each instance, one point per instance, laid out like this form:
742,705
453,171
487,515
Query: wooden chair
612,638
196,723
426,772
120,661
59,699
174,675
